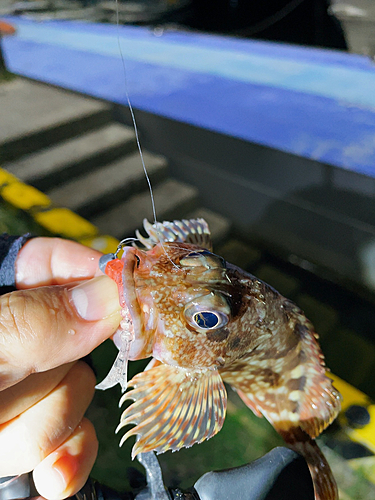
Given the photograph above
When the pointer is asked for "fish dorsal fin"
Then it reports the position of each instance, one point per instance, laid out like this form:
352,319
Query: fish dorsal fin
194,231
173,408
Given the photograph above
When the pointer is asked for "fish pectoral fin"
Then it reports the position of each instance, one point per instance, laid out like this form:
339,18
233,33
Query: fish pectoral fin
153,364
173,408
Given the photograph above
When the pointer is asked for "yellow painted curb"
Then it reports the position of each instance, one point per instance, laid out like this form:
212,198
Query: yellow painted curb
103,243
24,197
352,396
58,221
66,223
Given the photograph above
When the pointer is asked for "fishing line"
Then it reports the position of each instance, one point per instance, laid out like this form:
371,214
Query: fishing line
137,137
132,114
123,243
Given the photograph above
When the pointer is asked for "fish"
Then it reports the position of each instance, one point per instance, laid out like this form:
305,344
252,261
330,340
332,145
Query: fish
204,321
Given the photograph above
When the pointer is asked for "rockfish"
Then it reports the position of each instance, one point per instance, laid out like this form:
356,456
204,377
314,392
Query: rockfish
205,322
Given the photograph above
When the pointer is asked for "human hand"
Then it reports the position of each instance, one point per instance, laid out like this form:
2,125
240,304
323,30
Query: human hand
54,319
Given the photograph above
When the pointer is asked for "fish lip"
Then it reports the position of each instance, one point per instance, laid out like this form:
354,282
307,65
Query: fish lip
130,260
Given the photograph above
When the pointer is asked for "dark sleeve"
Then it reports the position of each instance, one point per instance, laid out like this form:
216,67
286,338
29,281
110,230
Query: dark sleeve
9,248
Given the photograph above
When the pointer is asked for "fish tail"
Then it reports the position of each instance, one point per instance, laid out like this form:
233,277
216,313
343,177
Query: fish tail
325,486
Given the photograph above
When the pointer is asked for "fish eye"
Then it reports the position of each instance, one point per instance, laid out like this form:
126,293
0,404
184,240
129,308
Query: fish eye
207,320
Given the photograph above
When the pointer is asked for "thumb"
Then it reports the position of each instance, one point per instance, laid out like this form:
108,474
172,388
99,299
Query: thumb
45,327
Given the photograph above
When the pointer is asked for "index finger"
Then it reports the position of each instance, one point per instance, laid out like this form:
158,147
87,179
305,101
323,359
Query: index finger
54,261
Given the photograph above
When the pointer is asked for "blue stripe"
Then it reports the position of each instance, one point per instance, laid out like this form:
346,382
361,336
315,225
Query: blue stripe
332,119
310,126
353,85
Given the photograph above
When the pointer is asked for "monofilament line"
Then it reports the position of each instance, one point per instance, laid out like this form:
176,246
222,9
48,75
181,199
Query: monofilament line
137,135
132,114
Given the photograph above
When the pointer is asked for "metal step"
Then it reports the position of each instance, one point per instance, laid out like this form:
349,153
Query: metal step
84,161
37,116
114,183
173,200
72,157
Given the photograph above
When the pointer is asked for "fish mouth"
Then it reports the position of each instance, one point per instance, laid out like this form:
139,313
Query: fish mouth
131,260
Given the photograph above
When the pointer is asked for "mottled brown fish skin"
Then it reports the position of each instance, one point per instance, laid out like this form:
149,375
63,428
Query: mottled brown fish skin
283,377
170,288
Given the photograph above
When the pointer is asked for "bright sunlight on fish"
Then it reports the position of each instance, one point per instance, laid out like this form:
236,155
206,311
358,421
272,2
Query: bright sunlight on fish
205,322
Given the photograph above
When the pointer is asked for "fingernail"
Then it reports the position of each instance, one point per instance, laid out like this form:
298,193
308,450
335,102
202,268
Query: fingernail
51,481
95,299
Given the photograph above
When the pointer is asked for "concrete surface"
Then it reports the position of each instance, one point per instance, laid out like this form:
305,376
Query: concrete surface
108,185
173,199
37,115
51,165
85,161
30,107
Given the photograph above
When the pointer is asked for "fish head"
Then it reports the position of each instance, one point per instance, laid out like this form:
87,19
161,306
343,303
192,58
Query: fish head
186,300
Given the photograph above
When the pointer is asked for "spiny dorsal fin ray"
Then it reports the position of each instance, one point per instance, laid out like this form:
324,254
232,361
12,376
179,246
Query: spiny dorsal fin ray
173,408
194,231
